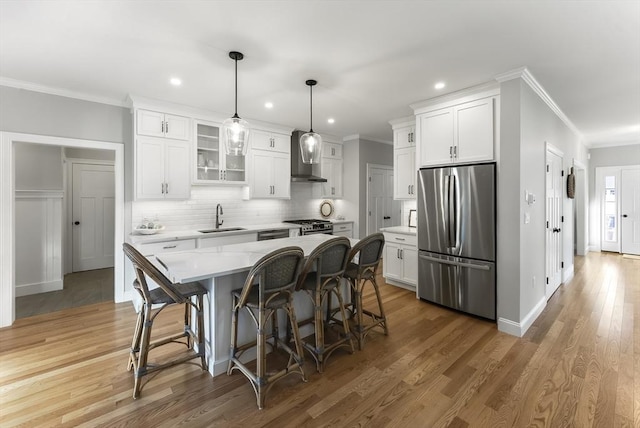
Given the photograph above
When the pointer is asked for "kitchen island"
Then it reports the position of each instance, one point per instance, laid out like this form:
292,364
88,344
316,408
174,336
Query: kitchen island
222,269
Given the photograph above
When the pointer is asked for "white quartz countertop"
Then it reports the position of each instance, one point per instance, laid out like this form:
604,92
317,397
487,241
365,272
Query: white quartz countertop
204,263
404,230
171,235
343,221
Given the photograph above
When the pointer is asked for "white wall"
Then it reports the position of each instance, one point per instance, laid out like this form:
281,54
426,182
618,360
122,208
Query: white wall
351,183
604,157
527,125
38,167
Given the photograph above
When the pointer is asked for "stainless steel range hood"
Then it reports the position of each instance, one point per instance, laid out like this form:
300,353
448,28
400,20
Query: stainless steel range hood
301,172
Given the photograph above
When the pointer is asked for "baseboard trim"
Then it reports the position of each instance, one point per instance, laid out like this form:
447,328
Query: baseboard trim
567,274
520,328
37,288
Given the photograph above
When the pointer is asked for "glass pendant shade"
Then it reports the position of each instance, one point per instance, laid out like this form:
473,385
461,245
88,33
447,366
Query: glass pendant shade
311,147
236,130
311,142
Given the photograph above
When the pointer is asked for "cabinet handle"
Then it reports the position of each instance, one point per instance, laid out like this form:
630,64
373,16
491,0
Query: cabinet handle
162,126
398,253
169,246
401,254
450,152
166,188
455,151
399,239
166,127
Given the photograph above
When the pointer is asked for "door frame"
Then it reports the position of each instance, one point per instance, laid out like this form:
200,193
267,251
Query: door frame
556,151
7,214
68,231
370,166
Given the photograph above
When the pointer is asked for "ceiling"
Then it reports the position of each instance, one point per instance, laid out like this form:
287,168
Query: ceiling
372,59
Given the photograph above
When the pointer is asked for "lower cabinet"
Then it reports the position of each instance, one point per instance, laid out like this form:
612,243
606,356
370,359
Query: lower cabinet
216,241
343,229
400,265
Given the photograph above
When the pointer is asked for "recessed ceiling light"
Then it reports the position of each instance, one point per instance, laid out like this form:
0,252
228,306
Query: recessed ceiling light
175,81
439,85
331,120
268,104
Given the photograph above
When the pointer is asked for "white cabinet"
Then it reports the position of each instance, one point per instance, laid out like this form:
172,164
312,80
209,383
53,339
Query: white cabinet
270,141
458,134
161,169
404,136
211,164
154,248
216,241
400,265
270,175
343,229
158,124
331,169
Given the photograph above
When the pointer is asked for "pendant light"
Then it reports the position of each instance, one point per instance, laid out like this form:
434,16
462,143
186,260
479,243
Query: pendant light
236,130
310,142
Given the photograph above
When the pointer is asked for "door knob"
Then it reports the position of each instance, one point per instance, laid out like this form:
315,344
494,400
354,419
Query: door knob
76,223
624,215
386,218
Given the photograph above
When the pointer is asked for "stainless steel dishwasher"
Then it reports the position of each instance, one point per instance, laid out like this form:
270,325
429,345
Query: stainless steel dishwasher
263,235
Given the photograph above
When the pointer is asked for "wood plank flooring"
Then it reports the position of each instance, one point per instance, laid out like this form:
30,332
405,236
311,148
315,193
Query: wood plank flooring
578,365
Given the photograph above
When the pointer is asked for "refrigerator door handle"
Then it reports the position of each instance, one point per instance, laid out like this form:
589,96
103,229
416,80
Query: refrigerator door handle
447,214
451,205
454,212
451,262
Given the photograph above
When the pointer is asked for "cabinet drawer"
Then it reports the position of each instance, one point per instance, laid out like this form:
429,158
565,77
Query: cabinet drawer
398,238
227,240
167,246
342,227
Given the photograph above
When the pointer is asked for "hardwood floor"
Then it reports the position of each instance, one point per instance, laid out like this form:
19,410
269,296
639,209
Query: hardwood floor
80,288
578,365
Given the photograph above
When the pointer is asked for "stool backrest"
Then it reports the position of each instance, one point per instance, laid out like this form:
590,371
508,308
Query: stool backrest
369,252
275,272
328,260
142,266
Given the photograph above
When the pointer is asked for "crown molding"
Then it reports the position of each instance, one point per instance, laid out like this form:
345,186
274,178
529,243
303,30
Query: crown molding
403,121
357,137
524,74
601,145
487,89
35,87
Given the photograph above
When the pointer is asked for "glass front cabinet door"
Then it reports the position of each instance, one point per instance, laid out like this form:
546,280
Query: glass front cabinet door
212,164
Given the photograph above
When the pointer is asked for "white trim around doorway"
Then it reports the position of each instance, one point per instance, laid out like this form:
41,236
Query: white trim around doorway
7,214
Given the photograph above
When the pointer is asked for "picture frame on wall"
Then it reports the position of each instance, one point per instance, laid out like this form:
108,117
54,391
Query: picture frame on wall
413,218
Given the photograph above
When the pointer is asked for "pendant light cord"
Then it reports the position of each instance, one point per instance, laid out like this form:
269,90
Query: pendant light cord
236,109
311,108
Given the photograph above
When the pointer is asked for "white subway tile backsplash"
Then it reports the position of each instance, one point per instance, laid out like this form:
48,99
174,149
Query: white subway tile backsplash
199,212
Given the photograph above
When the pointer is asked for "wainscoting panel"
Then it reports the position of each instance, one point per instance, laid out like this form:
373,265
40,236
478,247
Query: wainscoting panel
38,241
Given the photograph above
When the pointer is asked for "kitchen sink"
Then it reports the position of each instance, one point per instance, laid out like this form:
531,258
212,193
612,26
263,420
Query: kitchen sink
226,229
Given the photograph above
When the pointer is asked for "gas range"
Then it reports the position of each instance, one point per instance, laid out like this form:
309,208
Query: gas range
313,226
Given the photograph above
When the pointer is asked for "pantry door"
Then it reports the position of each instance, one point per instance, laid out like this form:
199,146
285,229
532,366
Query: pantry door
93,216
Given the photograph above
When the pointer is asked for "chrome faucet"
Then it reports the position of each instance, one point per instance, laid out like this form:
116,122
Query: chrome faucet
218,214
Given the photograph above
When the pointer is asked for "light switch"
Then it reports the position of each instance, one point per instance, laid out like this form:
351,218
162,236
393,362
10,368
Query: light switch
527,218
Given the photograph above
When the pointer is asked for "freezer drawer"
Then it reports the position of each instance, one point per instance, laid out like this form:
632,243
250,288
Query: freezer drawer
462,284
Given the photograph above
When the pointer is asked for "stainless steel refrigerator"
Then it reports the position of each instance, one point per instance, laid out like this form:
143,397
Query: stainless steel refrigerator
457,237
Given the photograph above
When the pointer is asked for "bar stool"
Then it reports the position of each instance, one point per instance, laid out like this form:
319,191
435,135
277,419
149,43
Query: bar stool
166,294
269,287
359,273
321,277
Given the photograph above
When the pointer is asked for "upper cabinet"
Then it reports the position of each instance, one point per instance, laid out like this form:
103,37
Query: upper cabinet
270,141
211,164
459,132
331,169
404,136
404,159
270,165
161,169
164,125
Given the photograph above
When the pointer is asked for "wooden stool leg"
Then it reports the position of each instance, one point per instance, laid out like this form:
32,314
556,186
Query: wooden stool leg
234,334
135,342
343,313
200,335
319,329
141,368
382,315
261,358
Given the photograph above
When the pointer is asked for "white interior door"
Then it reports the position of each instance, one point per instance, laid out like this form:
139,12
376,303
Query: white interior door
383,210
630,211
609,187
93,216
553,196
